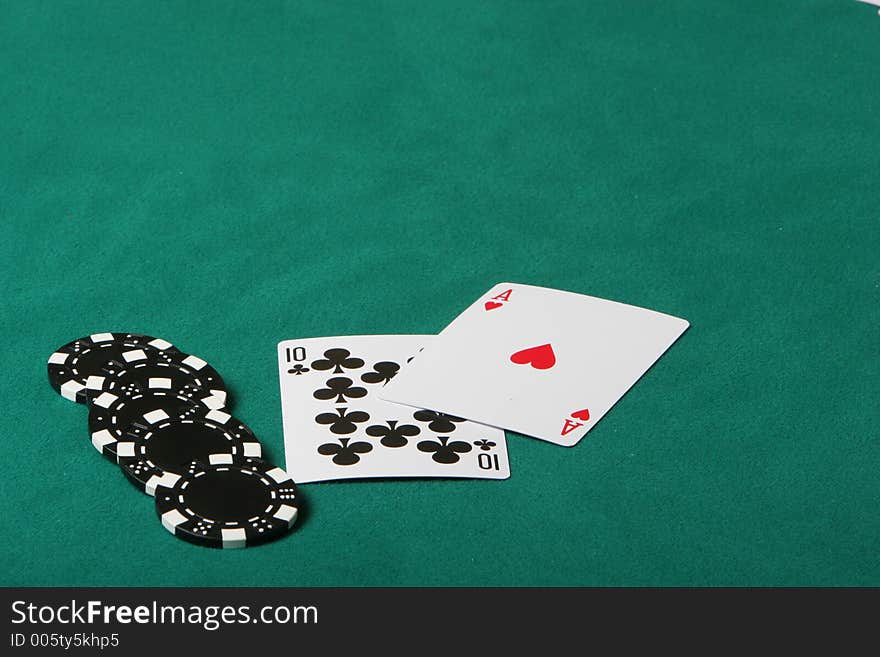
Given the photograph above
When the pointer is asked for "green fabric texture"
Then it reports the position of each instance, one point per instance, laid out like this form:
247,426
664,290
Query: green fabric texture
226,175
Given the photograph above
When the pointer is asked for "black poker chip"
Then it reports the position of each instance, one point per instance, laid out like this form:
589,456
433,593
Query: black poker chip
157,449
111,415
139,370
231,505
73,363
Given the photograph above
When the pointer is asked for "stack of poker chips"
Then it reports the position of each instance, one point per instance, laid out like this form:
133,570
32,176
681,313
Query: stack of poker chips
163,417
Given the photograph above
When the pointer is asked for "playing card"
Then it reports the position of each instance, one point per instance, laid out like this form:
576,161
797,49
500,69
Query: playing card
337,427
542,362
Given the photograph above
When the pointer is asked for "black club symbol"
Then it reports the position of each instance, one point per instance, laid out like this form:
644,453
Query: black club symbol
342,422
444,451
337,360
340,387
484,444
382,372
438,422
298,369
345,453
393,435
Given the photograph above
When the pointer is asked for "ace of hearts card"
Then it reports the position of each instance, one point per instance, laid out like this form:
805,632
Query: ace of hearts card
542,362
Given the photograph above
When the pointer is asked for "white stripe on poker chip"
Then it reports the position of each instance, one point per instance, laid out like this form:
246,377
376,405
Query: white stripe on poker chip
168,479
104,400
159,383
213,402
101,337
57,359
102,438
124,450
134,354
194,362
170,519
159,343
95,383
233,538
278,475
156,416
220,394
69,389
220,459
253,450
218,416
286,513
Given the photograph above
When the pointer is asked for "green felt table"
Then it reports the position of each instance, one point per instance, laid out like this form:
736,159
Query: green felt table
228,174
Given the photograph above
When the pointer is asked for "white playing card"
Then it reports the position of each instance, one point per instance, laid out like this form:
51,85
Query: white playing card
336,426
542,362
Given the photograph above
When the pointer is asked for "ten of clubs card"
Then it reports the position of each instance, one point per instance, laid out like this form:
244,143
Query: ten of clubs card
337,427
543,362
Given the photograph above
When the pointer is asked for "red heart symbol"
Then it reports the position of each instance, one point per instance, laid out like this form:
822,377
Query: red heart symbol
492,305
540,357
582,414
